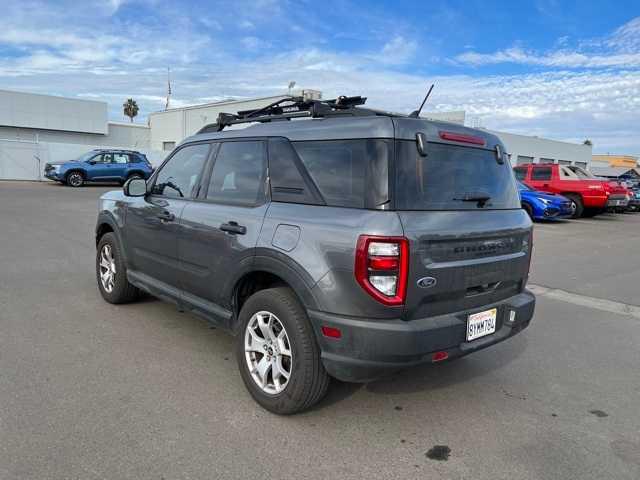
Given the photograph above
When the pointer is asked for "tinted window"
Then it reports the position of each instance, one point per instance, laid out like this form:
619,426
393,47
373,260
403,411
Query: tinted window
348,173
452,178
239,174
107,157
289,180
521,173
100,159
181,172
541,173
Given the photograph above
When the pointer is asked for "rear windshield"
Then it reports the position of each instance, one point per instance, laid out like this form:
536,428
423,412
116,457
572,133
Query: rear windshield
452,178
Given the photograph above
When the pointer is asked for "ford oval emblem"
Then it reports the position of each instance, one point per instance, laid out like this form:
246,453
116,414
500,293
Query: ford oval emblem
427,282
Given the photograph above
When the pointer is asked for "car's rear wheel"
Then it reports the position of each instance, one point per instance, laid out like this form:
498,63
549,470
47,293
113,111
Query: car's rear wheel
111,272
277,353
75,179
577,207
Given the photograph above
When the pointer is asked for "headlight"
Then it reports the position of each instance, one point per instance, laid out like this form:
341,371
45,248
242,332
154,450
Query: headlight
545,201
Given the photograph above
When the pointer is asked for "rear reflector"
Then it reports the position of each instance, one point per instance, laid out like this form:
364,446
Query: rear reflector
462,138
439,356
331,332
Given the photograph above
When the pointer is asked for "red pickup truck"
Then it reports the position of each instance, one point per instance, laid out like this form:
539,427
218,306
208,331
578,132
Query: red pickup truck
589,196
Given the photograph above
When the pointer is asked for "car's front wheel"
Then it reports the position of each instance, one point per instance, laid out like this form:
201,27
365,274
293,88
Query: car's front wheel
277,353
111,272
75,179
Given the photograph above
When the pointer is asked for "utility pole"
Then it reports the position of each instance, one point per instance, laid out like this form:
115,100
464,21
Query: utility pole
166,106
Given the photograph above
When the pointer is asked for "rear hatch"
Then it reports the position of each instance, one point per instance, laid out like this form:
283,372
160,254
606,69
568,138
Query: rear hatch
469,240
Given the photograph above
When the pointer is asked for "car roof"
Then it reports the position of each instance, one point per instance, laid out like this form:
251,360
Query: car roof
349,127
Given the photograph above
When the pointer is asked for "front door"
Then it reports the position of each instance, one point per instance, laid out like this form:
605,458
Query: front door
221,228
152,224
99,167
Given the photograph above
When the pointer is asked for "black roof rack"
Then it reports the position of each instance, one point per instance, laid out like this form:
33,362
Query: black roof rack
293,107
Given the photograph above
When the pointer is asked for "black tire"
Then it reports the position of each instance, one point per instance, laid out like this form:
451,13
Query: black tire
308,381
527,208
577,205
122,291
75,179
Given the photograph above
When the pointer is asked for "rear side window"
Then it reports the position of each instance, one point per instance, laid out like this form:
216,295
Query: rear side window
452,178
541,173
239,174
348,173
289,181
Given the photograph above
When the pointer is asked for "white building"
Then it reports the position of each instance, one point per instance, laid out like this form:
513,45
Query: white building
169,127
35,129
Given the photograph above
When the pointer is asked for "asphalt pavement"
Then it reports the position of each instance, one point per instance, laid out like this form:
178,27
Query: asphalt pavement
90,390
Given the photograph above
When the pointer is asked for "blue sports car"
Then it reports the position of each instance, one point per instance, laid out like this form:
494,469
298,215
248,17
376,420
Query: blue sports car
542,205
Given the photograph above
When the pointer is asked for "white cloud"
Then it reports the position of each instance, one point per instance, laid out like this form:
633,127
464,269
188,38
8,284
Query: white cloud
620,49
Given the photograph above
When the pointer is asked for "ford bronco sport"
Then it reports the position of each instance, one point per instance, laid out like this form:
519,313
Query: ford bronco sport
351,244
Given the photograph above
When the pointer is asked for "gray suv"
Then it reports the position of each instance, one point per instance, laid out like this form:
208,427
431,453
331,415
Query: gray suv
351,244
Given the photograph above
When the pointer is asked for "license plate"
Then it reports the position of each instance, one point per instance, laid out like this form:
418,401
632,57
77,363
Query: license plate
481,324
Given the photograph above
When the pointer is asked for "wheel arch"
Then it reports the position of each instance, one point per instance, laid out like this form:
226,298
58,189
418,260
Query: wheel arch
107,224
268,271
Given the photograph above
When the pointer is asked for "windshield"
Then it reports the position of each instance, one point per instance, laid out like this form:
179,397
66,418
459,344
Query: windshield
452,178
522,186
580,172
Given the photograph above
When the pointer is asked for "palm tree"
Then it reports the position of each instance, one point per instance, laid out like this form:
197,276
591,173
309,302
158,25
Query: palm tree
130,108
588,142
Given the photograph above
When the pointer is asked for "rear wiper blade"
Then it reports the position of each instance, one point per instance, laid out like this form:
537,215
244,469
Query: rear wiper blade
480,199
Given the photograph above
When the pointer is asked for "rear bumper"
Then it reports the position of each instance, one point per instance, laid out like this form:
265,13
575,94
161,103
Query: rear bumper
618,202
371,349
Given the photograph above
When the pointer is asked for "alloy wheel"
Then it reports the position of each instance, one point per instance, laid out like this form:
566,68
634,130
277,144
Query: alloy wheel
268,352
107,268
75,180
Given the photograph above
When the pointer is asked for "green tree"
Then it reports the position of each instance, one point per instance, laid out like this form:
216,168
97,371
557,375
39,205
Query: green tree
588,142
130,108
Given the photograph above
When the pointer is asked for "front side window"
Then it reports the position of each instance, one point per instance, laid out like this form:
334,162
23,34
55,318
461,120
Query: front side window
239,174
521,173
180,174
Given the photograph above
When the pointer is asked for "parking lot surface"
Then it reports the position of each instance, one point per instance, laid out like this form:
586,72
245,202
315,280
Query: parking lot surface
90,390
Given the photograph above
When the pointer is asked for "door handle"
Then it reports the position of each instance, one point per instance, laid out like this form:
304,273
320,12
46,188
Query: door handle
233,228
166,217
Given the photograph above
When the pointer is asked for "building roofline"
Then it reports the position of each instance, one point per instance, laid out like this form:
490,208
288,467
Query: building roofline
125,124
22,92
544,139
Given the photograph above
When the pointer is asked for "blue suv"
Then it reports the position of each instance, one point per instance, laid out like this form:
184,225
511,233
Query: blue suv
100,166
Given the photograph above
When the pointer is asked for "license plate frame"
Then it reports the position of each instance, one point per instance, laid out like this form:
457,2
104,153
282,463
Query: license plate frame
481,324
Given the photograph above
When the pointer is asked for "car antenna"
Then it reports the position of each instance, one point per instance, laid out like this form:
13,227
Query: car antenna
416,113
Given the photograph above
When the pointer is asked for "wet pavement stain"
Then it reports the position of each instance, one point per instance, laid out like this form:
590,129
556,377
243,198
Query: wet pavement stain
397,407
439,452
599,413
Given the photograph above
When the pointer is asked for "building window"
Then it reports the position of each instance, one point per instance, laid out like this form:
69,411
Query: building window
564,162
522,160
168,146
547,160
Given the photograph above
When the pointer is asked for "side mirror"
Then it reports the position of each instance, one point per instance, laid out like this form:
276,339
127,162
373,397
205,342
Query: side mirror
135,187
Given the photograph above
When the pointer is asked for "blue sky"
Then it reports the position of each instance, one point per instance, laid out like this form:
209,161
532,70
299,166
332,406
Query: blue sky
566,70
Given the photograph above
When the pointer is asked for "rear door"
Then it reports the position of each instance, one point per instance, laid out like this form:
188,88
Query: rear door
469,240
221,228
119,165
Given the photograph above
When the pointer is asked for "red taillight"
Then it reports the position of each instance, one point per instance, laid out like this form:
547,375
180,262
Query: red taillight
439,356
462,138
382,267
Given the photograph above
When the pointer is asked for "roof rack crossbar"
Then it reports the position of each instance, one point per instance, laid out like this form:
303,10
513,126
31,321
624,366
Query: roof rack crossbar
292,107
